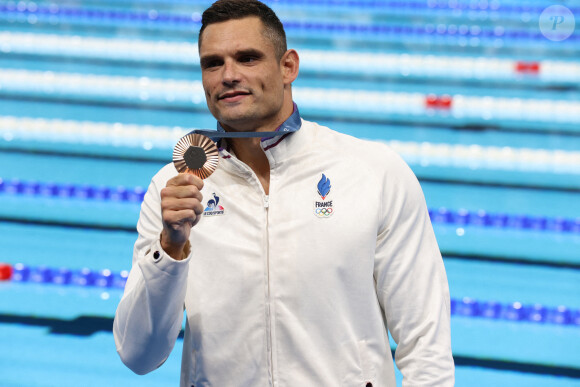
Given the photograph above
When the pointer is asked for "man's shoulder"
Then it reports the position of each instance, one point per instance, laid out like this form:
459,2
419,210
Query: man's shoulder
374,156
350,146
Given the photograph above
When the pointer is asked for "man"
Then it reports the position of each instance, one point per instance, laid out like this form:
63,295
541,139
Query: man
292,282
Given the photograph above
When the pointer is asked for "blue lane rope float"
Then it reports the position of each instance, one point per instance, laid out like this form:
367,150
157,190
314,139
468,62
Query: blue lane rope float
463,217
502,8
64,276
53,13
465,307
460,217
72,191
515,311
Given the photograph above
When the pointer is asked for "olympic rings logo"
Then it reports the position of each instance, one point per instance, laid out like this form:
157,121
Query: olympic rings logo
323,211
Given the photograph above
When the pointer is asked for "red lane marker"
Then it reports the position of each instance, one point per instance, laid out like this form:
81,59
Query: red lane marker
528,67
445,101
433,101
5,272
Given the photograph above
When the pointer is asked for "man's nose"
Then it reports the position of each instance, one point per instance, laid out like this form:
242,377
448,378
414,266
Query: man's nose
230,73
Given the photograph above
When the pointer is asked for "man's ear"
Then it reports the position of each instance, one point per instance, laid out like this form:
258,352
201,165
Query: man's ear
289,64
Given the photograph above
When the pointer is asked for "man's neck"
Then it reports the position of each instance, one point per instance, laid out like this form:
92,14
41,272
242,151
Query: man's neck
249,151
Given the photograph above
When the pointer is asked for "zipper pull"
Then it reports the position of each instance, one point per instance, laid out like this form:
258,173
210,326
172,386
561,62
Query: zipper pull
266,201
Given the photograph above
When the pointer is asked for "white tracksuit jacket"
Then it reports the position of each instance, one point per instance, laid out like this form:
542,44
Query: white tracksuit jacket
278,295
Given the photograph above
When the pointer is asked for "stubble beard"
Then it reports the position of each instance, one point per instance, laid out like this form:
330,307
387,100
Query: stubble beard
247,120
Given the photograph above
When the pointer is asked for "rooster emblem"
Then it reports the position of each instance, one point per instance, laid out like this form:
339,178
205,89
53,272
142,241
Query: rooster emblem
212,204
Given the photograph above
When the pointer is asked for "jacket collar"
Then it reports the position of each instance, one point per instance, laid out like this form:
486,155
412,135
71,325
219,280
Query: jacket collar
277,148
292,124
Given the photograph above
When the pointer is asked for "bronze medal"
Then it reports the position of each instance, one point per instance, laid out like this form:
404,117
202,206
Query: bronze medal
196,154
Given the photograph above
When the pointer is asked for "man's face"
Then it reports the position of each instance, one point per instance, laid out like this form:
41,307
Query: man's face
242,78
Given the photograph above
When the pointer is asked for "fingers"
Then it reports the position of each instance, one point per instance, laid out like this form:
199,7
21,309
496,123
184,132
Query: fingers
182,204
184,179
181,209
180,220
183,186
181,192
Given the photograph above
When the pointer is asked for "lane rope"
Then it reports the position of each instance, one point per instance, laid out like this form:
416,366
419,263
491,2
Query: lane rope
149,137
370,103
343,63
464,307
442,215
474,34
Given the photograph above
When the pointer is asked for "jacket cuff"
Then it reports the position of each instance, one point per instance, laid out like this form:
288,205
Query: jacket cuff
165,262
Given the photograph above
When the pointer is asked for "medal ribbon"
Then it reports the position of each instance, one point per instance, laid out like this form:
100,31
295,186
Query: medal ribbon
216,135
197,153
292,124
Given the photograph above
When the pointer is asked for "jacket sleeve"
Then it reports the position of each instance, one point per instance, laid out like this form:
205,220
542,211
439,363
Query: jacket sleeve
411,282
150,314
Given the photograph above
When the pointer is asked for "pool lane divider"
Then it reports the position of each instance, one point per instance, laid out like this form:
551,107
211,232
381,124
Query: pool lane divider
465,307
496,8
84,134
363,104
442,215
463,217
72,191
153,19
63,276
183,53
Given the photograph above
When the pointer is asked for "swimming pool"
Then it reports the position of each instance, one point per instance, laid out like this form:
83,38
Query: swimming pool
93,95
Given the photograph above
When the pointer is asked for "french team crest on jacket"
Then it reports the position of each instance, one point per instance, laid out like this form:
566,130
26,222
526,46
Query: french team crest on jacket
323,208
213,207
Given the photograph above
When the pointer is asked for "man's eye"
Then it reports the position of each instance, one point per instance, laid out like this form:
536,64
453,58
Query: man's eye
211,64
247,59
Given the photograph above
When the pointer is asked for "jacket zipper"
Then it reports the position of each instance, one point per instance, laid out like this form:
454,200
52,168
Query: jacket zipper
266,201
269,344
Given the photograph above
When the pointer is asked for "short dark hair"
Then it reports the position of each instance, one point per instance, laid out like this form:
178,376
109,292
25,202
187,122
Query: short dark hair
224,10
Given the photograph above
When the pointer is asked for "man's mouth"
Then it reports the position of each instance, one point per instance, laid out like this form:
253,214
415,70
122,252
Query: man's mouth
232,95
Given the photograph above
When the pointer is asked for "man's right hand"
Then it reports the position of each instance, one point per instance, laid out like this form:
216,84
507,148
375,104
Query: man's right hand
181,209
